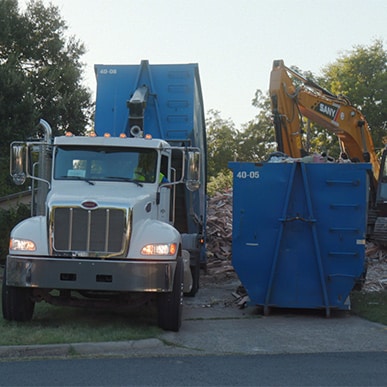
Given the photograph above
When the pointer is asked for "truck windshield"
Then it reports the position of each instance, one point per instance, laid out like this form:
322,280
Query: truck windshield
101,163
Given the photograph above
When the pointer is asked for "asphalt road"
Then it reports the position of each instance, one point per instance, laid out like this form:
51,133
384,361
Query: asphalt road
322,369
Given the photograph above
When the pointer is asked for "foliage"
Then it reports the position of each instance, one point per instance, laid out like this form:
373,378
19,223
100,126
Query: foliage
225,143
361,75
221,142
320,140
40,77
257,140
8,219
54,68
222,182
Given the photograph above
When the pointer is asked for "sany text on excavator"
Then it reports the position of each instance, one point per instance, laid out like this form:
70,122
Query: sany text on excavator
291,101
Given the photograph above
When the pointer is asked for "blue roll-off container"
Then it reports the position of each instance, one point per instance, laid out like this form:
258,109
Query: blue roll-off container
299,232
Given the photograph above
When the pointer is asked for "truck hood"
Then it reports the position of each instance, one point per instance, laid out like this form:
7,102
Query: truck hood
104,194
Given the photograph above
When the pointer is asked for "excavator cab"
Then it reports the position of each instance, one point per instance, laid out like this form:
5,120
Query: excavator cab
378,212
382,186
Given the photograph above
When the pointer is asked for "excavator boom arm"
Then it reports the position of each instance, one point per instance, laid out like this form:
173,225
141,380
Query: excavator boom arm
335,113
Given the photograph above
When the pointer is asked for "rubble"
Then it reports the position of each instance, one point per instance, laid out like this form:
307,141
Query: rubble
376,279
219,238
219,246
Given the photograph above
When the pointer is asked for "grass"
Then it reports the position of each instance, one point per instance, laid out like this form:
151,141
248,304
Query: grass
371,306
58,325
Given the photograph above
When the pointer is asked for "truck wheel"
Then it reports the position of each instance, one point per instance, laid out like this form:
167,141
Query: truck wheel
17,302
170,305
195,272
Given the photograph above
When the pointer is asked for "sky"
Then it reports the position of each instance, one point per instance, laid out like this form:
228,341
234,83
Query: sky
233,41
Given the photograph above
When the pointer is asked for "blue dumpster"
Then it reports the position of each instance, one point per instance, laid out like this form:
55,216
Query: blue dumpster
299,232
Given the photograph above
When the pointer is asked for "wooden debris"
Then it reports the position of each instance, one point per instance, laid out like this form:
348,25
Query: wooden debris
219,229
376,279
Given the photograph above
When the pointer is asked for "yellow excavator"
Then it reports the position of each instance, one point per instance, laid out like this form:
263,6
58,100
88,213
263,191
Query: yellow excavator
294,98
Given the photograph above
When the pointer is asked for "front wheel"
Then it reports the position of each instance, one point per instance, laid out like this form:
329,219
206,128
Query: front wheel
17,302
195,272
170,305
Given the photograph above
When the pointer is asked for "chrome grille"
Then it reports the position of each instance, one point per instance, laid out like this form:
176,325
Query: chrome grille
101,231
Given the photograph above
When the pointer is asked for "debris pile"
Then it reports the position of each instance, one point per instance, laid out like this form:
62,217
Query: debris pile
219,242
219,233
376,279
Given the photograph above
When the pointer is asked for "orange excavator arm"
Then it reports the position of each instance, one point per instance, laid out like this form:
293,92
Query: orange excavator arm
290,103
286,115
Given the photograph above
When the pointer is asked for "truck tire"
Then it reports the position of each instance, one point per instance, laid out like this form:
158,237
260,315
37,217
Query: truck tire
170,305
195,272
17,303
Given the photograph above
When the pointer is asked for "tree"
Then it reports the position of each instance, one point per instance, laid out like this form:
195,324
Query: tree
221,142
40,77
225,143
361,75
257,140
54,68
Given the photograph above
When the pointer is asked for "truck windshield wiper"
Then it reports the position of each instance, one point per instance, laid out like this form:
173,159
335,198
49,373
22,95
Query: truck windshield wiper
77,178
89,181
128,179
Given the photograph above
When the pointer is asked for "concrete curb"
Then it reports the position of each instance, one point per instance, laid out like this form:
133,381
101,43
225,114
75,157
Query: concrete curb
120,348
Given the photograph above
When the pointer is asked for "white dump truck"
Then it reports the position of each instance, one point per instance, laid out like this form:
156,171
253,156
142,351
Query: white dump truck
119,215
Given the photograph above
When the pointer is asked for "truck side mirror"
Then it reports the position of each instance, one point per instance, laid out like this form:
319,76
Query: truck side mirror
18,160
193,170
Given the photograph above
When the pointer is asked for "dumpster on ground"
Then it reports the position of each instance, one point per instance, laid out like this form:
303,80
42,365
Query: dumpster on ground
299,232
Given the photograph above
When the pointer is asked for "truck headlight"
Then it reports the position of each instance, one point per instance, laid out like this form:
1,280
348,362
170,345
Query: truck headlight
21,245
159,249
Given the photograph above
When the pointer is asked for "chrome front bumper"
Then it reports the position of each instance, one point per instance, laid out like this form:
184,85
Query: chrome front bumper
81,274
